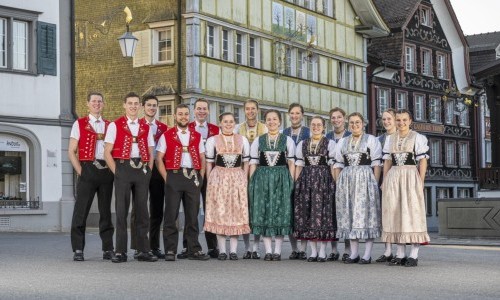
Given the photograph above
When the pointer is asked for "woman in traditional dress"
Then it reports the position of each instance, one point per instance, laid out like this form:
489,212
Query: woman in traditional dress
314,197
357,169
403,206
271,184
389,123
227,183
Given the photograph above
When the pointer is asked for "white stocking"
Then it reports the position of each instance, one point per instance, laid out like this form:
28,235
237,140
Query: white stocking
401,251
221,243
278,242
322,249
388,249
233,243
368,249
354,248
302,245
314,249
268,244
414,250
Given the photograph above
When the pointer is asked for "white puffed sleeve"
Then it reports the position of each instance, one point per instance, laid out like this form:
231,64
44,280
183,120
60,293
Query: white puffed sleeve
386,152
339,158
421,147
299,157
246,150
210,149
331,152
254,152
375,151
290,149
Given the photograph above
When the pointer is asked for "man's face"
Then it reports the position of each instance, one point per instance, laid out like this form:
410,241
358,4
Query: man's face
182,117
337,120
150,108
131,106
201,111
251,111
95,104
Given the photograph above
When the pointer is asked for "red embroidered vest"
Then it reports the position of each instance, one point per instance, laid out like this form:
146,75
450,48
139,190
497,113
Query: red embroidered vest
161,128
124,140
172,158
212,129
88,139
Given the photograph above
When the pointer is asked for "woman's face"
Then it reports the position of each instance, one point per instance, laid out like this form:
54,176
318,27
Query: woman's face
388,121
317,126
272,122
227,124
295,116
403,122
356,125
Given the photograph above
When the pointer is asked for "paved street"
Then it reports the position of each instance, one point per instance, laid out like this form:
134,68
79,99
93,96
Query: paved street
40,266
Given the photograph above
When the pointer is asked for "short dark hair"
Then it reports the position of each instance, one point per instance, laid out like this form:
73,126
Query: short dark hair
145,98
200,100
337,109
182,105
251,101
356,114
293,105
405,111
131,95
227,113
89,95
272,111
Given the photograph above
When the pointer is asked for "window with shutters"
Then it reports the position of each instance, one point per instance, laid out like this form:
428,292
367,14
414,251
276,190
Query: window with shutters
410,58
155,46
23,42
163,45
426,59
383,100
419,107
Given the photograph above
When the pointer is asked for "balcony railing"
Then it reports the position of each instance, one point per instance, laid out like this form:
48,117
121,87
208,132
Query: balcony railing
21,204
489,178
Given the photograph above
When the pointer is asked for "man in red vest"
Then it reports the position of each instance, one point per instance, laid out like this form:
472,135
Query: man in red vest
180,158
206,130
156,184
86,153
129,154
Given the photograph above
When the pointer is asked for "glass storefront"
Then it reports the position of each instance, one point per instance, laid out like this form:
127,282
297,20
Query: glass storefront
14,161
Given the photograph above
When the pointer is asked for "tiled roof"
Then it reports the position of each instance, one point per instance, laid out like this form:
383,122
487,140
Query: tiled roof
395,12
483,41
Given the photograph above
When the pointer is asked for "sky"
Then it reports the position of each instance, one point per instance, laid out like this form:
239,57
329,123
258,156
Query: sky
477,16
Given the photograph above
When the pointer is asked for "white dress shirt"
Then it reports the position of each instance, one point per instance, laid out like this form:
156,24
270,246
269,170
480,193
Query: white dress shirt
99,126
186,160
133,126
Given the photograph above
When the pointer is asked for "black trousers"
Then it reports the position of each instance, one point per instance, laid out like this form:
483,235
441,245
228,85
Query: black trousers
92,181
210,237
126,180
156,203
178,188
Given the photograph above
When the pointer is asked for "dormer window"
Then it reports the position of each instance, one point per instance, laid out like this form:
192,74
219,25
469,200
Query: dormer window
425,16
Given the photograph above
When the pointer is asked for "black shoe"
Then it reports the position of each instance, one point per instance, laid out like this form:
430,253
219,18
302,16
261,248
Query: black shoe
384,258
345,256
233,256
321,259
255,255
222,256
333,257
302,255
312,259
119,258
268,257
351,260
198,255
411,262
365,262
247,255
78,256
276,257
158,253
108,255
147,256
397,261
294,255
183,254
136,254
213,253
170,256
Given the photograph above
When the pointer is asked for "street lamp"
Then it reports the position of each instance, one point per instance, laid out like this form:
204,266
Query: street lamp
127,42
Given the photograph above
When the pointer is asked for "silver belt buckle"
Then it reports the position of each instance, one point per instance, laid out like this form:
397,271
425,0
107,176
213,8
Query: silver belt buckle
136,166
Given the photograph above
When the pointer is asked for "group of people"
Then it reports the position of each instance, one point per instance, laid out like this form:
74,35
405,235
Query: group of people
254,179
